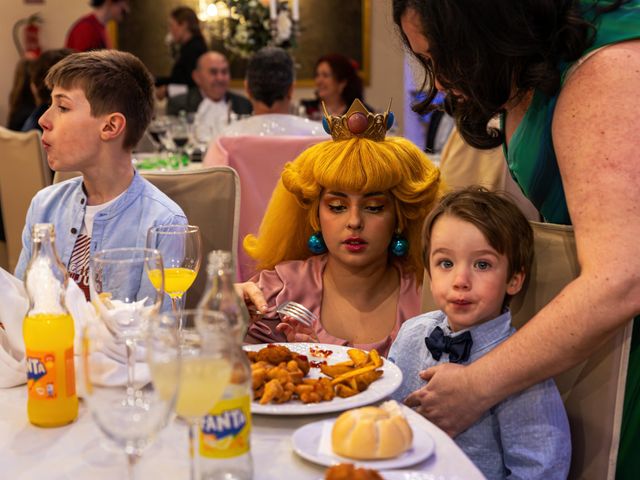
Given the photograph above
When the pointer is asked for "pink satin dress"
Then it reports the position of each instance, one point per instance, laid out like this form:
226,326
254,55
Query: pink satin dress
301,281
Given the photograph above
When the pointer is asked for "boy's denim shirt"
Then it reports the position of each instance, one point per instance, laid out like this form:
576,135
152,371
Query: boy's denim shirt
122,224
526,436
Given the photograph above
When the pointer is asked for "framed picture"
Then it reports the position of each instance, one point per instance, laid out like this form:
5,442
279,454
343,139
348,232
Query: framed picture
325,26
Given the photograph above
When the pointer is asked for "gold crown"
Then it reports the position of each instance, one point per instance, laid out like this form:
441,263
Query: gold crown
358,122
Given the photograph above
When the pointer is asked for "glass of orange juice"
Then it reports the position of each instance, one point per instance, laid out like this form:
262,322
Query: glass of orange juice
206,347
180,247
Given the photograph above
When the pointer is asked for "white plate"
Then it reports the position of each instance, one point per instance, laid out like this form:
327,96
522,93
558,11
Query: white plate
381,388
307,440
404,475
407,475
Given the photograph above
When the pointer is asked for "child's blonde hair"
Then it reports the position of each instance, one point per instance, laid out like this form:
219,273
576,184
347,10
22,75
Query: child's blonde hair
356,165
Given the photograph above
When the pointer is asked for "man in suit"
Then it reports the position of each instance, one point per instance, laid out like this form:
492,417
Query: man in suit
211,99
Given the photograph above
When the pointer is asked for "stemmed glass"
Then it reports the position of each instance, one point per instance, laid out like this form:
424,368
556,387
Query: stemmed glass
132,415
180,246
124,295
207,359
158,130
179,132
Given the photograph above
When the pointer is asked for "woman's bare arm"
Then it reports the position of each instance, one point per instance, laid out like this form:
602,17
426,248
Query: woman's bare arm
597,146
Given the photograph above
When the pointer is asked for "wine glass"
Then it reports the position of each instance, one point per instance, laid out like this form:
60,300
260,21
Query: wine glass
207,358
179,132
158,129
180,246
124,295
132,415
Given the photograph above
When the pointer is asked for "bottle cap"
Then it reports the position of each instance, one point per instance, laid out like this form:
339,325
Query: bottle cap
42,230
219,259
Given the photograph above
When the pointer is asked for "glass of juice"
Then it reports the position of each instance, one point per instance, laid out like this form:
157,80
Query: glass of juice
181,250
206,348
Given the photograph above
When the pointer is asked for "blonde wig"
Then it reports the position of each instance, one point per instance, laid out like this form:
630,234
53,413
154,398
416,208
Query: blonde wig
356,165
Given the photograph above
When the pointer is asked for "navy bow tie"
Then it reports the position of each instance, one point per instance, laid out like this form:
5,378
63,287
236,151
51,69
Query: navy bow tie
458,347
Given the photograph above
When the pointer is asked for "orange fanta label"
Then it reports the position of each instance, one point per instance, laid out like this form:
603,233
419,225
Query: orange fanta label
41,375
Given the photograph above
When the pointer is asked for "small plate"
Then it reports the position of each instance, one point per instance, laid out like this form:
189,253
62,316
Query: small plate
404,475
378,390
307,440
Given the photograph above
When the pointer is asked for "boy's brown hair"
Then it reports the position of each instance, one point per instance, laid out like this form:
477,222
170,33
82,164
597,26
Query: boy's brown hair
112,81
499,219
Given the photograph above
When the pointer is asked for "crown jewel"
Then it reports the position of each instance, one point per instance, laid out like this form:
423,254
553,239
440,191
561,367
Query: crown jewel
358,122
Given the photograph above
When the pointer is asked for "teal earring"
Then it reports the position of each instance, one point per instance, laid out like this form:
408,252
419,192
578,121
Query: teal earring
316,243
399,245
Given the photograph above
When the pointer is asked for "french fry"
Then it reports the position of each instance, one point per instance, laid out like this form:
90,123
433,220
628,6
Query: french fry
375,358
352,373
344,392
363,381
359,357
335,370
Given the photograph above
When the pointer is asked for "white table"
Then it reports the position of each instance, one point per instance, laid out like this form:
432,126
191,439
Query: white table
77,451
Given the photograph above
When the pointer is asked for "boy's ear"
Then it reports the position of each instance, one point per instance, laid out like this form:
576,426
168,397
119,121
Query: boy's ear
514,285
113,126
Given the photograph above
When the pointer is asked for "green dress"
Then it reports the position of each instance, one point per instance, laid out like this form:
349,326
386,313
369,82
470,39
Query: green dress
533,165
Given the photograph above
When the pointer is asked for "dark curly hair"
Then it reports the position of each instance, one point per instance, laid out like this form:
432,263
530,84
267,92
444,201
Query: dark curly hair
269,75
482,49
343,69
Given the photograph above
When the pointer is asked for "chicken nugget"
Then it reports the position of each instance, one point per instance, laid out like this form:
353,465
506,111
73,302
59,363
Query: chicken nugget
272,392
347,471
258,377
274,354
302,361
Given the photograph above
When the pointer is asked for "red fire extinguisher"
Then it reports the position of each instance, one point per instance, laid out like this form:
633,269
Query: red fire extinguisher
29,45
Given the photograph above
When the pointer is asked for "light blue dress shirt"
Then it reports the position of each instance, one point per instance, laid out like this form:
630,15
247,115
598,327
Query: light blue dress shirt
122,224
526,436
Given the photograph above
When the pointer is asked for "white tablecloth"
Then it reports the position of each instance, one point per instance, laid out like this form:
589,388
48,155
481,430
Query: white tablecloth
80,451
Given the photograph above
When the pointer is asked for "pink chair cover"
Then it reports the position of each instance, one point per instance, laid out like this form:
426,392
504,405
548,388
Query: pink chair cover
259,162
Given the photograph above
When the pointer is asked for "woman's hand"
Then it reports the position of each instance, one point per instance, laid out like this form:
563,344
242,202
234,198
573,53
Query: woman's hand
253,297
296,331
448,400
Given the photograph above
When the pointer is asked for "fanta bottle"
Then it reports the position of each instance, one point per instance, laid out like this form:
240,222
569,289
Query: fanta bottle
220,296
48,336
225,433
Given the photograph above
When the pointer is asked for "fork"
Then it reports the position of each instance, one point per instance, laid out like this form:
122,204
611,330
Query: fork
298,312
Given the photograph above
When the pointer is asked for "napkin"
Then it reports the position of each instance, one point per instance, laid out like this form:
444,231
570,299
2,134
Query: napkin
14,305
13,299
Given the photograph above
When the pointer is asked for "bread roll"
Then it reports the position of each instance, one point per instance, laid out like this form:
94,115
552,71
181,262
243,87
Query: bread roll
369,433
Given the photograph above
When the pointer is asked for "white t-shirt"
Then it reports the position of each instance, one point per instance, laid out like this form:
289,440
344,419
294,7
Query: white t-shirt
79,262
